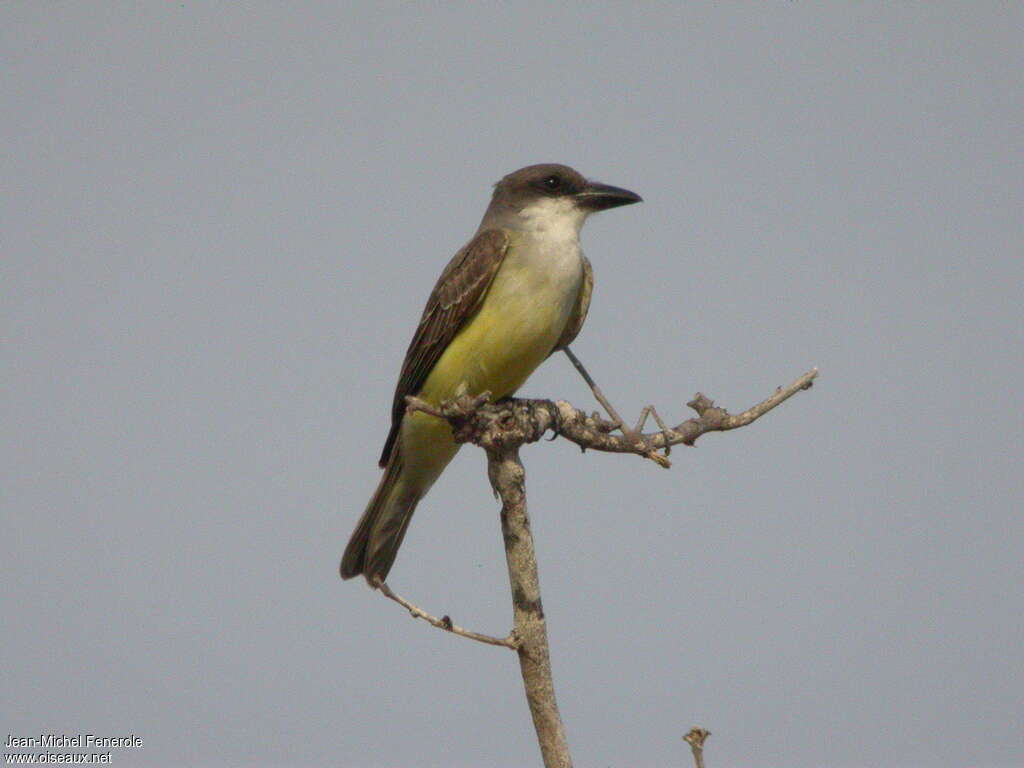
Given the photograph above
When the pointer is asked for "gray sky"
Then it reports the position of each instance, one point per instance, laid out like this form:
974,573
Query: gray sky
219,226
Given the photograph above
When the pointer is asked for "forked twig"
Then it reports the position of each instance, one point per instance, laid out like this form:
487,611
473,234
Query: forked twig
650,410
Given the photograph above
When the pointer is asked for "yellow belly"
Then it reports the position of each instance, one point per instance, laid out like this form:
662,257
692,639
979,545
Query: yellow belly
512,333
522,317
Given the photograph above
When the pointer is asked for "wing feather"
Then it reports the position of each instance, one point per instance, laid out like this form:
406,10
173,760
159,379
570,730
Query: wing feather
455,298
579,312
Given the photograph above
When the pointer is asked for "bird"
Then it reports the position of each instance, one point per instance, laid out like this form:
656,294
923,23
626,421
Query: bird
517,292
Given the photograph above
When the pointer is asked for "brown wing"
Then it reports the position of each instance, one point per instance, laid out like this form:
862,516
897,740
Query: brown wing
579,312
453,301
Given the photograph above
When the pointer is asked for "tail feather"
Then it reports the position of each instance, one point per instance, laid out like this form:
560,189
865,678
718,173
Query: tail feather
374,544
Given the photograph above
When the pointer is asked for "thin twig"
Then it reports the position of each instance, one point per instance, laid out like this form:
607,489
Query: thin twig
588,433
781,395
525,421
446,623
650,410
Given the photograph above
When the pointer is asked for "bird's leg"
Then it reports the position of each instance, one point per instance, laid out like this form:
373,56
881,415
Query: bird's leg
633,435
608,407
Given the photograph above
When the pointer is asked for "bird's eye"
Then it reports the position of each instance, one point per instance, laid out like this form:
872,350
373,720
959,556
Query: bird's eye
552,182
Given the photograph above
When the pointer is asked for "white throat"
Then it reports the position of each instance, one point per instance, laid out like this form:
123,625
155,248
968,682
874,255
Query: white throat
553,218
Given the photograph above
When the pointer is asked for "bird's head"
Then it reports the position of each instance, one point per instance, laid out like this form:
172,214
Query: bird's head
550,197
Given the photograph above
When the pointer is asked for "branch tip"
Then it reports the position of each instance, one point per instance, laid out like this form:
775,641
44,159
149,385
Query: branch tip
696,738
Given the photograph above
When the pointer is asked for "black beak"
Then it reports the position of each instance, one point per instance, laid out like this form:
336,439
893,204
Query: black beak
601,197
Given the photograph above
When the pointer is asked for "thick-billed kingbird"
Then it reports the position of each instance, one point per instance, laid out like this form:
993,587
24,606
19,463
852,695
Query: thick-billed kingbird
518,291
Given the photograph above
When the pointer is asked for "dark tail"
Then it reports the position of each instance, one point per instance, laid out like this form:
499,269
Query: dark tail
374,544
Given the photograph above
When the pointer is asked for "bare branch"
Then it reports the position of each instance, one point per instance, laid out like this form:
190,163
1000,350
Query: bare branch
516,422
446,623
500,429
588,432
508,479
